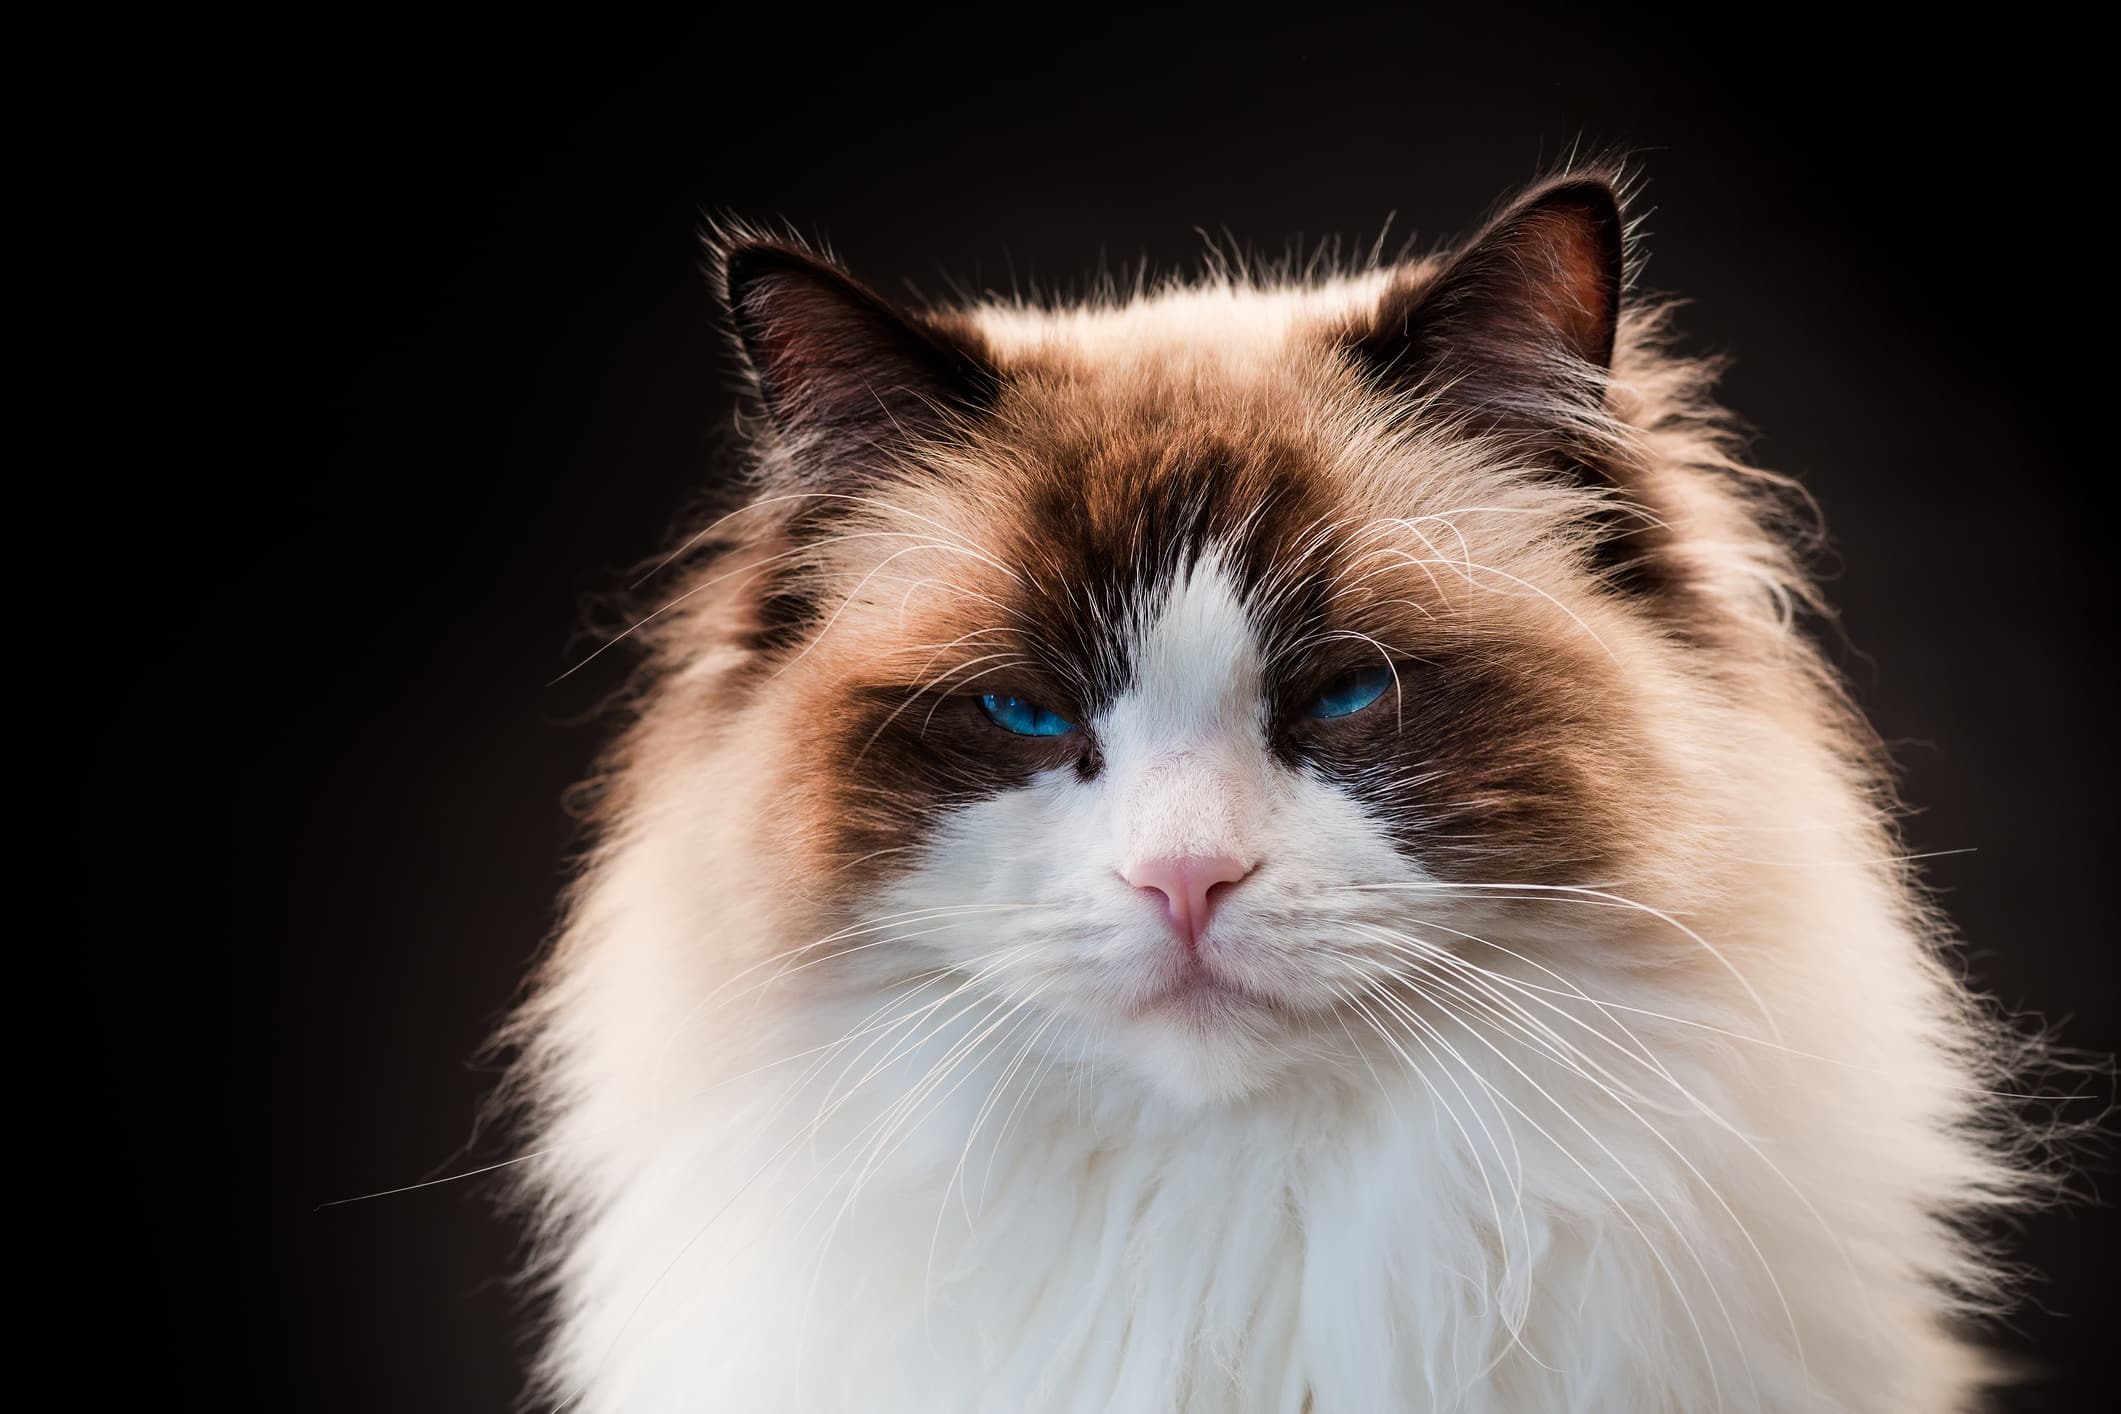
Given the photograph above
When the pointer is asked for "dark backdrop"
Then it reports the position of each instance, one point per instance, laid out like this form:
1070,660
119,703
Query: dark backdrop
401,347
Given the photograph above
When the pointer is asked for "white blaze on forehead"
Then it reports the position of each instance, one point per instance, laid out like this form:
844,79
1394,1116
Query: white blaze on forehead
1186,744
1196,665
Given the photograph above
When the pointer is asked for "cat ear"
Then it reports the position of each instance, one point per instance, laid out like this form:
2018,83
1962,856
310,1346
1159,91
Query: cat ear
1516,329
847,378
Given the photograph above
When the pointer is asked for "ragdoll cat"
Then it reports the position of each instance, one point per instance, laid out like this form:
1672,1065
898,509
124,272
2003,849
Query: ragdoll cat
1261,845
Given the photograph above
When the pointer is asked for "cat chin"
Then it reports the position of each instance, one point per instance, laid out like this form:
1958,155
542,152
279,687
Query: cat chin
1198,1060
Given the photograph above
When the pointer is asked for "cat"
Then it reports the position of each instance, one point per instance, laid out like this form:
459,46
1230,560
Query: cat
1275,843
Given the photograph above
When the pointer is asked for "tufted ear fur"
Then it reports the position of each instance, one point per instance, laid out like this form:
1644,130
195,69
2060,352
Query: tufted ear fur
1515,332
847,378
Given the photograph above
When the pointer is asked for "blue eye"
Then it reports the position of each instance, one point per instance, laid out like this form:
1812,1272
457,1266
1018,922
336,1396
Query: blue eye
1347,695
1025,718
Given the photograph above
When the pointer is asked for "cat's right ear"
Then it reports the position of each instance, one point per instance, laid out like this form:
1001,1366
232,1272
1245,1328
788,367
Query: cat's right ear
849,380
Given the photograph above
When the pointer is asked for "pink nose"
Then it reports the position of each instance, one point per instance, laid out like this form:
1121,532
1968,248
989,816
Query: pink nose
1188,886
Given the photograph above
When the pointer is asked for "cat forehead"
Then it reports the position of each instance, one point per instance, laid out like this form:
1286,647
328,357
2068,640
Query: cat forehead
1196,663
1169,558
1132,446
1067,553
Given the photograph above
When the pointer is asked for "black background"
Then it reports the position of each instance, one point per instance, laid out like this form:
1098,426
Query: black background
397,347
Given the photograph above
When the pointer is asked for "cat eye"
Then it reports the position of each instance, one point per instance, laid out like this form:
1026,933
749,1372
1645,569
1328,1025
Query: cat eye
1351,692
1023,716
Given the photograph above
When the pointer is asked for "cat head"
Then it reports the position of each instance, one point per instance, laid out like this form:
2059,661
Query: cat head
1186,669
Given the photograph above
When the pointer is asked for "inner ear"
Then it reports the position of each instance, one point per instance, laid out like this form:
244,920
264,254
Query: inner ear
1516,329
848,378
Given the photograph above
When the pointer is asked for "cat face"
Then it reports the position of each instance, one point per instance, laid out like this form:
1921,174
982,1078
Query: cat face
1185,673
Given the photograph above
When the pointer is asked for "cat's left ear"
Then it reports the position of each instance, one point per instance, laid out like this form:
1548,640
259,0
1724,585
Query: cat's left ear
1515,331
847,377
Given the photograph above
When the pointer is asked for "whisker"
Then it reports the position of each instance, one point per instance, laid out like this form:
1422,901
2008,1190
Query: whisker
1579,891
1656,1254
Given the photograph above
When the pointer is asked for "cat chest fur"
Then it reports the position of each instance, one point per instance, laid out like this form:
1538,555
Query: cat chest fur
1041,1240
